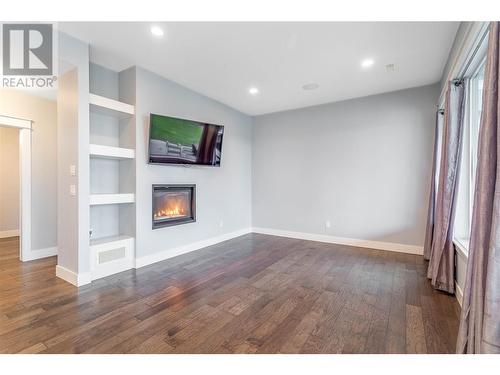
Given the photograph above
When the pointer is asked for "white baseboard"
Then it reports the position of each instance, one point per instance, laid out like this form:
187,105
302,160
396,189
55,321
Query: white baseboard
143,261
9,233
72,277
41,253
378,245
170,253
459,294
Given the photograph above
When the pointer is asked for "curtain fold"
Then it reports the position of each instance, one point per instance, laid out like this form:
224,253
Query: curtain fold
480,319
429,230
441,268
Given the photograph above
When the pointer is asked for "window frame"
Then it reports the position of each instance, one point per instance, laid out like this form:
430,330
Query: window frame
468,162
476,100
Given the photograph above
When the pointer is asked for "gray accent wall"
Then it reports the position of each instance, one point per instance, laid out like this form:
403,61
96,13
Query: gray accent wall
223,194
364,165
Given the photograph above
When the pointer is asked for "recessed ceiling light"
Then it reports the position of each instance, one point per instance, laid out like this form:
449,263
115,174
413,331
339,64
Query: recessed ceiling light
157,31
366,63
253,90
310,86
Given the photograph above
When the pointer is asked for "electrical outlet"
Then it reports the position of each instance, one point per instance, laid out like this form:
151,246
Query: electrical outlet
328,224
221,223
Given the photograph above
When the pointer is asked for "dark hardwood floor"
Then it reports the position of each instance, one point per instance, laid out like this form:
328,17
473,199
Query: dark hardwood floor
252,294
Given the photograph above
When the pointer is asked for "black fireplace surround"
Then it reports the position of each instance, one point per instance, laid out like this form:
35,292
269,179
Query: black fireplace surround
173,205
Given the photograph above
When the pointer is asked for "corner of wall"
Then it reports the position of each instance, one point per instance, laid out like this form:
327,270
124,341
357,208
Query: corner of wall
73,137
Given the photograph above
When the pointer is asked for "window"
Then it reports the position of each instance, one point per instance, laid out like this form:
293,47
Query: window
468,164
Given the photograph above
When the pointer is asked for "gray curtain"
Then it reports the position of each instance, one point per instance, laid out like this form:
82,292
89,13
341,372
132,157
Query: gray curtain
480,321
429,230
441,269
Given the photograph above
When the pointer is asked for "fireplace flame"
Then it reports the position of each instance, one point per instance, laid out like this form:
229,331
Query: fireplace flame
171,208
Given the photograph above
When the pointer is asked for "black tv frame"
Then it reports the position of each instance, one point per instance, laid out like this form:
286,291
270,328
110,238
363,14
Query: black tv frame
183,163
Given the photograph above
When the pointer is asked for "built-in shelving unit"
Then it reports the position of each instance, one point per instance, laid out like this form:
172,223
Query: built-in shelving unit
112,174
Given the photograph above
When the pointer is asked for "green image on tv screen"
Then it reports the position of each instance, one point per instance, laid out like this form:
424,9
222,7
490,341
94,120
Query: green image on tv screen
174,130
179,141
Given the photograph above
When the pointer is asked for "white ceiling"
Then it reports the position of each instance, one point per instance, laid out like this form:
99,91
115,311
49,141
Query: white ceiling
223,60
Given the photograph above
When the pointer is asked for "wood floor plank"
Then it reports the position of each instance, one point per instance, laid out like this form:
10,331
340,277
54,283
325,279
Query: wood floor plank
415,335
395,342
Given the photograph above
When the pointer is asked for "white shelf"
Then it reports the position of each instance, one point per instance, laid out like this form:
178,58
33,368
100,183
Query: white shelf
101,104
101,199
109,240
110,152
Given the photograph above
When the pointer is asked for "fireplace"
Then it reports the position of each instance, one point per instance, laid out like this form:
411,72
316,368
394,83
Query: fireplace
173,205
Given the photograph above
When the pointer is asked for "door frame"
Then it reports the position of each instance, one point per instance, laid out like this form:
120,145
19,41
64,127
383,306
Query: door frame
25,129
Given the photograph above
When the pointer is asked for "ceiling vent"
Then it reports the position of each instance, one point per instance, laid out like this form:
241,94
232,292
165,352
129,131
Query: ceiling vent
389,68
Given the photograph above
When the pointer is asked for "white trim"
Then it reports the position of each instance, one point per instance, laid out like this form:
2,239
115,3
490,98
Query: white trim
459,294
377,245
461,247
13,122
25,183
170,253
143,261
9,233
24,127
41,253
72,277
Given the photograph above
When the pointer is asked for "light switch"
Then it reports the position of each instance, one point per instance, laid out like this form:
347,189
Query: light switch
72,170
72,190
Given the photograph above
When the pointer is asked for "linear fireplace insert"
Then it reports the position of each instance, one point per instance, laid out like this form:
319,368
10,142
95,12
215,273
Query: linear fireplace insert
173,205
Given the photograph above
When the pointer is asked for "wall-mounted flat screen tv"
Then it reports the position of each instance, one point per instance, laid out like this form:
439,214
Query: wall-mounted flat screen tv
178,141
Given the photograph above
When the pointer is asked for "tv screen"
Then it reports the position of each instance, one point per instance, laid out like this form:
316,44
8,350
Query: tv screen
178,141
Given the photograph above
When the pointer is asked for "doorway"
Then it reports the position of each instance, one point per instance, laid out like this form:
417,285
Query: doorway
23,128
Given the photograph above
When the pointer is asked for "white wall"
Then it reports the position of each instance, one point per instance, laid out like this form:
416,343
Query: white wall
43,113
9,181
363,164
223,194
